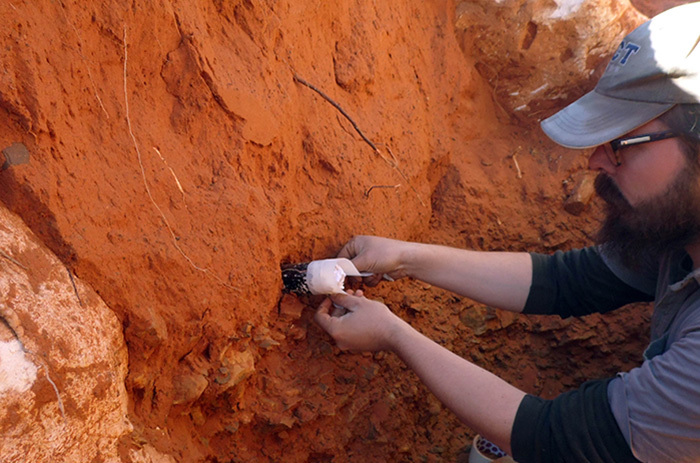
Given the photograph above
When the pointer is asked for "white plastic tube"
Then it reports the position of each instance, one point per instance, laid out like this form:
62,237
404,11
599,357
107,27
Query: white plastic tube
327,276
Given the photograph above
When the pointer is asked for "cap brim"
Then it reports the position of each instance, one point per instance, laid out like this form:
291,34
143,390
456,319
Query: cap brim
595,119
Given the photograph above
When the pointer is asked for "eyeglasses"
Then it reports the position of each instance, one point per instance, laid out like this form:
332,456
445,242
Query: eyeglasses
624,142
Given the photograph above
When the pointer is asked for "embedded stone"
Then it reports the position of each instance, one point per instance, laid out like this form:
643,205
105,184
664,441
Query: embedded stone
188,388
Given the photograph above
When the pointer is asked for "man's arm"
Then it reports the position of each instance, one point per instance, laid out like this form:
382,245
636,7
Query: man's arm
573,283
498,279
479,398
576,426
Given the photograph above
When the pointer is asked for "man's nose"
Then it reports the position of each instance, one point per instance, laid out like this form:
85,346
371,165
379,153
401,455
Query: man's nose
600,160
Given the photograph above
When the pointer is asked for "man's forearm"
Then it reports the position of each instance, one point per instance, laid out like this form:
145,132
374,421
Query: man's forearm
479,398
498,279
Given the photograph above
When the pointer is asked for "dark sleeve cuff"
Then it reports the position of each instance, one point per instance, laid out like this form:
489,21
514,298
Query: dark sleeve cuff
577,426
543,296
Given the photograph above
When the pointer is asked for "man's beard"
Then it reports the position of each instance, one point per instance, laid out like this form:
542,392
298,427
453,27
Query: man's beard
665,223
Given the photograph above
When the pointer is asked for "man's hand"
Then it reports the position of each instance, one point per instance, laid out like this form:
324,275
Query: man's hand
466,389
364,325
377,255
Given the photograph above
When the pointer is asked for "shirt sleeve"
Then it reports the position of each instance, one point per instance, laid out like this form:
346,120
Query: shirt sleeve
578,426
581,282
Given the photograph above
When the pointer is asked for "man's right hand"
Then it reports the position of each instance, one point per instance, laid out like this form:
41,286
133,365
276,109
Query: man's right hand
381,256
363,325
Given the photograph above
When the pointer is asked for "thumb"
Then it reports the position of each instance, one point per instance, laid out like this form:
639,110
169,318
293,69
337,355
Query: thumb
349,251
322,315
354,253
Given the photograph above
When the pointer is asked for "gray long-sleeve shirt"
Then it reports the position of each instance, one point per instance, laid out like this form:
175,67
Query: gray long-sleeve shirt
657,405
651,413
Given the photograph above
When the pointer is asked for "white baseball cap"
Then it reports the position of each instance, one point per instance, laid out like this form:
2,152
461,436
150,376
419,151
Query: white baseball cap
656,67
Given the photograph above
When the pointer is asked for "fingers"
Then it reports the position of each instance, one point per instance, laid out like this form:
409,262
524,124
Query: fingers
355,292
358,250
338,311
348,301
336,306
322,316
372,280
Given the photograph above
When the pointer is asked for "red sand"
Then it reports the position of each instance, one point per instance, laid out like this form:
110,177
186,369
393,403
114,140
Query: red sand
234,168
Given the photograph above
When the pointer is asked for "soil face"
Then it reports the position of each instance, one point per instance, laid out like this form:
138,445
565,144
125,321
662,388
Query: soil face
177,161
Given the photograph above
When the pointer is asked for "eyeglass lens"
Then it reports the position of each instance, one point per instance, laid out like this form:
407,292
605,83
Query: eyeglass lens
619,143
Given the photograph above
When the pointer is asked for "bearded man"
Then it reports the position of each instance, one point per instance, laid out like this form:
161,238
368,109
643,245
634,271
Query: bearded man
643,118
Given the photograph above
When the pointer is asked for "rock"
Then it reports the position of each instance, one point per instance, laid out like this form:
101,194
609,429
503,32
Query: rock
380,412
266,339
539,54
236,367
434,405
266,342
290,307
474,319
148,454
582,193
198,417
148,329
63,359
15,154
188,388
296,333
305,413
16,370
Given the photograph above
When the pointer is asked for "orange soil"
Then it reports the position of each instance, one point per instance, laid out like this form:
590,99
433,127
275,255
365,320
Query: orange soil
234,168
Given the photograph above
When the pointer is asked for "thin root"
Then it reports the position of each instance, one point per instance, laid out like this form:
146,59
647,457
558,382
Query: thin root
517,167
145,182
75,288
403,176
369,190
393,162
43,364
339,108
58,395
13,260
177,181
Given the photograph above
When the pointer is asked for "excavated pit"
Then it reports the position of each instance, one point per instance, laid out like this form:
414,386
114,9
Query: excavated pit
177,161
